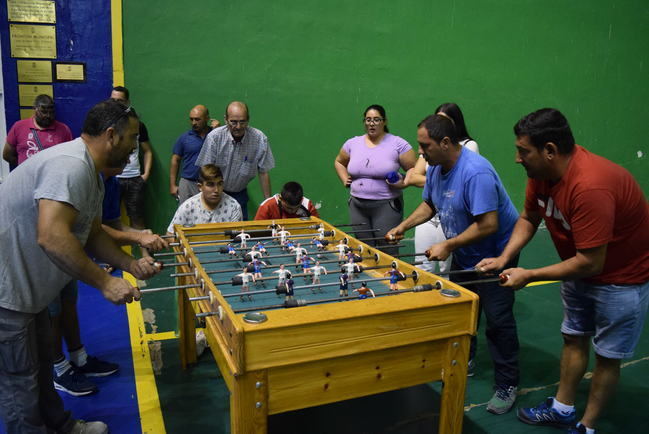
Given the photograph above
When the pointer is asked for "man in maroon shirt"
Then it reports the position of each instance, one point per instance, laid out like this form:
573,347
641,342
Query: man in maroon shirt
27,137
598,218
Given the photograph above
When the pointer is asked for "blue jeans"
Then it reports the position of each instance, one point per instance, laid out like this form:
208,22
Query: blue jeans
612,314
28,402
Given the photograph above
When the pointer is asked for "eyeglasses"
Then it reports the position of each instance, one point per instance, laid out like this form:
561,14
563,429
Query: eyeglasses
234,123
112,122
373,120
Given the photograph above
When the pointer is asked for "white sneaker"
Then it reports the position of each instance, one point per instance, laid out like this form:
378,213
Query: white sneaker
83,427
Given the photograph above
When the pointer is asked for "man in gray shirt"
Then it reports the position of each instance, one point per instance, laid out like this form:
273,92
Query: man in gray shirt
241,152
50,216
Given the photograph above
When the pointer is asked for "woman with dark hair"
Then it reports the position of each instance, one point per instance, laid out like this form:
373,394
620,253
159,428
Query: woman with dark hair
367,165
431,232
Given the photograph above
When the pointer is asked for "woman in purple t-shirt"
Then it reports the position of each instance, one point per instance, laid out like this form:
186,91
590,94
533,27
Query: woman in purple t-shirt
363,165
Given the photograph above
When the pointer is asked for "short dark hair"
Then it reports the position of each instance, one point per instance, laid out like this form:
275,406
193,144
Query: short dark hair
380,109
124,90
43,100
209,172
109,113
292,193
454,112
439,126
546,125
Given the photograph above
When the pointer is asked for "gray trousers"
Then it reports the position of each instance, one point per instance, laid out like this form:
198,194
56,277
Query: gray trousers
28,402
379,215
186,189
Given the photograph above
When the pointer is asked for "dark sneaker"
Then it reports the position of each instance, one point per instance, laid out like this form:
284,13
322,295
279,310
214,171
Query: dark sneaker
502,400
74,383
577,429
96,368
470,372
83,427
544,414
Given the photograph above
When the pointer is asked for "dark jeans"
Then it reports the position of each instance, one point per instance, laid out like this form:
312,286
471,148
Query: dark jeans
28,402
497,303
242,198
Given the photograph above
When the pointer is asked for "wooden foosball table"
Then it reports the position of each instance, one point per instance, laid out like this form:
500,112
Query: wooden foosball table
279,353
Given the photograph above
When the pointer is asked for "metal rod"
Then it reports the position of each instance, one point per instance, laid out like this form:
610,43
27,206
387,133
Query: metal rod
298,303
216,243
168,288
230,232
349,224
351,282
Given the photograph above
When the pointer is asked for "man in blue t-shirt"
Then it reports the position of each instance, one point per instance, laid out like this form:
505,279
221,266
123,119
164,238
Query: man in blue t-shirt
186,149
477,217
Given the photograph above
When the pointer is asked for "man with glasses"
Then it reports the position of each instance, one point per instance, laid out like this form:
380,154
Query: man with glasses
290,203
241,152
50,216
133,178
27,137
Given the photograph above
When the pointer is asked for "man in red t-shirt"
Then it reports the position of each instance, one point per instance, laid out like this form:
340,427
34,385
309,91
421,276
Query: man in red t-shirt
27,137
598,218
290,203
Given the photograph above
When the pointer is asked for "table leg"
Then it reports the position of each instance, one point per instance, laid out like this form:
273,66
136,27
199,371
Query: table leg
187,329
249,404
453,385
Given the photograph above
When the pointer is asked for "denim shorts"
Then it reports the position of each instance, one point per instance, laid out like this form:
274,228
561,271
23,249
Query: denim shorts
612,314
69,292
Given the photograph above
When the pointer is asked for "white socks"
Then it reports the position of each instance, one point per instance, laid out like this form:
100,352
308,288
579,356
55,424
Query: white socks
562,408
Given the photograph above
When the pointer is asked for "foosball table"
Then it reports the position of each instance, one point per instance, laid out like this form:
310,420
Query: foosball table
283,340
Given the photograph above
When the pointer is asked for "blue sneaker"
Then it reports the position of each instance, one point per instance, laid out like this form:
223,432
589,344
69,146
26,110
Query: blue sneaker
96,368
578,429
544,414
74,383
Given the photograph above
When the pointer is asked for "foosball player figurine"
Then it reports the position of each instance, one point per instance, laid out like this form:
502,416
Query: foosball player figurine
317,270
351,269
243,237
231,250
273,229
363,291
289,246
283,236
260,247
299,252
246,277
344,283
254,253
317,243
395,276
282,273
342,250
257,266
289,289
306,266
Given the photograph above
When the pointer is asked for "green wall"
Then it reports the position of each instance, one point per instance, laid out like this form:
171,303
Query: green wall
308,69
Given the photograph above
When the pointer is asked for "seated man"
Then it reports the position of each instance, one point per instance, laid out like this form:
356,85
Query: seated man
290,203
211,205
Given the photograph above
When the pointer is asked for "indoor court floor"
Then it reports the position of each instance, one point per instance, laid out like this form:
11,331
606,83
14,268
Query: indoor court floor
152,394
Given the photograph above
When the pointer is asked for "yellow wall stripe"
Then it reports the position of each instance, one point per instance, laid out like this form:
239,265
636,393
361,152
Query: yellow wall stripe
145,385
118,42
